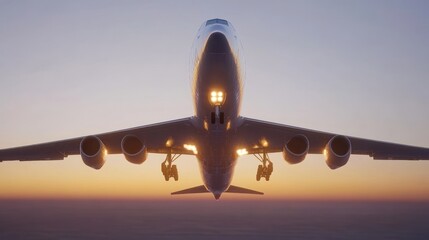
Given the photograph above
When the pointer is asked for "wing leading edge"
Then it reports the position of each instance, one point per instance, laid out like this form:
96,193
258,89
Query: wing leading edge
154,136
252,132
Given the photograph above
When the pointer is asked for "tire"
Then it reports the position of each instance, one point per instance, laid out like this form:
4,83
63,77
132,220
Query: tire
213,118
259,173
270,168
221,117
175,173
163,168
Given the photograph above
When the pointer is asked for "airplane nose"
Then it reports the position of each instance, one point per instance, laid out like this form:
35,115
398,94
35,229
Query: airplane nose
217,43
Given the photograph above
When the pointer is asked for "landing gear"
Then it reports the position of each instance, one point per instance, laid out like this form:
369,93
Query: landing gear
259,173
217,114
174,173
168,169
266,168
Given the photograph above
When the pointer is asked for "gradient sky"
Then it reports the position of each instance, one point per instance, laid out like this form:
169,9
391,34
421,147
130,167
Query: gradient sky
74,68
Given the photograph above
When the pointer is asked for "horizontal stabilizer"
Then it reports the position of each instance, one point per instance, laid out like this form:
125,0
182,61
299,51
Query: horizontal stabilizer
235,189
198,189
203,189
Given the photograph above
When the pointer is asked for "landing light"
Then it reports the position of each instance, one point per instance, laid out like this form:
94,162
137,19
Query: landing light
190,147
242,152
264,143
169,142
217,97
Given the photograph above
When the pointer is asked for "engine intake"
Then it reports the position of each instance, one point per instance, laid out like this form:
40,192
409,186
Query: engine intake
337,151
93,152
134,150
296,149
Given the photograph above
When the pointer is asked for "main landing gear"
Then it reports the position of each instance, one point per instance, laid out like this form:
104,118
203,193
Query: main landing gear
168,169
266,168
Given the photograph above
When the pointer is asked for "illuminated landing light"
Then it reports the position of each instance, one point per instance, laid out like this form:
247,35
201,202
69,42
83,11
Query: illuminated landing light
264,143
169,142
217,97
242,152
325,153
190,147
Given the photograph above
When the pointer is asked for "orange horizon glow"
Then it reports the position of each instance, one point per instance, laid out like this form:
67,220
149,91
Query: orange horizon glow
120,180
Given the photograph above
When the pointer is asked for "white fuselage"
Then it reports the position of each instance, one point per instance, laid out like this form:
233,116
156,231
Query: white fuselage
217,69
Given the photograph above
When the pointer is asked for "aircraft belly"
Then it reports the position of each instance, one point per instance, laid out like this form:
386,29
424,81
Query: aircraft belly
217,161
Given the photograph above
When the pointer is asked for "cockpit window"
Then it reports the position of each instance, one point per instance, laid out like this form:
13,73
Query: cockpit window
217,20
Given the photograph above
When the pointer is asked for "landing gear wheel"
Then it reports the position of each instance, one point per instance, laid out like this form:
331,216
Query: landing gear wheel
270,167
259,173
266,168
168,169
163,168
174,173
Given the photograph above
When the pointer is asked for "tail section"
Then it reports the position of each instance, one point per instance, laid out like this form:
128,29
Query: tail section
203,189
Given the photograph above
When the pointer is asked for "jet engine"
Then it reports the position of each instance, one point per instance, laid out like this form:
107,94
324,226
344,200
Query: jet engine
337,151
93,152
296,149
134,149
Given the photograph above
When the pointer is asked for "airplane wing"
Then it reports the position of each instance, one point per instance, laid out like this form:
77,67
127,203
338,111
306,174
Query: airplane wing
252,132
154,136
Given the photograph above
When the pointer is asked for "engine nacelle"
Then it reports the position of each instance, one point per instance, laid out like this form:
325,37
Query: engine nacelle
296,149
337,151
93,152
134,150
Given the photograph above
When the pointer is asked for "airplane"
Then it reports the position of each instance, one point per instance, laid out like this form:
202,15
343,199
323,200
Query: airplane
217,135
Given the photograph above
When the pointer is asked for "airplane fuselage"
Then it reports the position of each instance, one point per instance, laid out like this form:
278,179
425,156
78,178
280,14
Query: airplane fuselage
217,69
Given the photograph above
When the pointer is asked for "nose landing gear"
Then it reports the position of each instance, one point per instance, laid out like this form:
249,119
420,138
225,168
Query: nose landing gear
266,168
168,169
217,114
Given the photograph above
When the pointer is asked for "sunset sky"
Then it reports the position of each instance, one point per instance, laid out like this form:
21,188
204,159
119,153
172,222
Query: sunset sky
75,68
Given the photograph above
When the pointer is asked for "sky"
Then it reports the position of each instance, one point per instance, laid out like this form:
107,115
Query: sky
75,68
